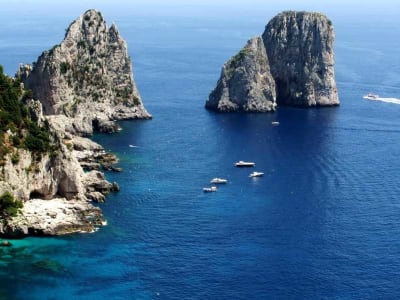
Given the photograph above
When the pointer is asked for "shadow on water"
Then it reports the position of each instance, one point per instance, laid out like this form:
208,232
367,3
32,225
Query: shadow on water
302,173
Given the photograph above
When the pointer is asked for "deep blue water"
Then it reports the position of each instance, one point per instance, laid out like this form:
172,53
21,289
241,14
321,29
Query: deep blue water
323,223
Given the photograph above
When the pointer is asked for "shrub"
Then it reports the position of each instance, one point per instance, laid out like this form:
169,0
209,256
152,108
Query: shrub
9,207
28,94
64,67
14,115
15,158
81,44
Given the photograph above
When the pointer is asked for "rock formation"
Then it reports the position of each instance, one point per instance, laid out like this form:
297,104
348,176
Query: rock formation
54,184
83,84
88,77
298,67
300,49
56,217
246,83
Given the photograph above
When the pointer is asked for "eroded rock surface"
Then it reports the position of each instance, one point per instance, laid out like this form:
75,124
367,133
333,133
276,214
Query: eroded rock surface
246,83
300,49
292,64
88,77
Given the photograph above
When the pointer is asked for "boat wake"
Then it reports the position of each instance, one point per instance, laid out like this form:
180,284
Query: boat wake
389,100
377,98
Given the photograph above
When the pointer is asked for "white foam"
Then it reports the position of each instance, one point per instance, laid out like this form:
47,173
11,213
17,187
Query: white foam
387,100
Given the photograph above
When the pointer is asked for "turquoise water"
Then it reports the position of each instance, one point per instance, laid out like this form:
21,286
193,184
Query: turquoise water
323,223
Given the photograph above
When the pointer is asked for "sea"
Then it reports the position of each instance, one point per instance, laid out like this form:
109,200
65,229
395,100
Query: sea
322,223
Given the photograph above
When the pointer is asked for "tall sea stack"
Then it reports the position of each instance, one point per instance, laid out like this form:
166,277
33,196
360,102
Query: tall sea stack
299,51
88,77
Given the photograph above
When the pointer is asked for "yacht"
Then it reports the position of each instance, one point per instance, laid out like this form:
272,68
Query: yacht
256,174
210,189
242,163
371,96
218,180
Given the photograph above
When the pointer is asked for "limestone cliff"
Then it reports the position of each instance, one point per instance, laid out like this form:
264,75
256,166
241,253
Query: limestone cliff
246,83
88,77
85,83
300,49
55,190
292,63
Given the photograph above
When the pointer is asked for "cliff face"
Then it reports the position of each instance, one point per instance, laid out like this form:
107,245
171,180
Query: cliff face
88,77
292,64
55,190
246,83
300,49
84,83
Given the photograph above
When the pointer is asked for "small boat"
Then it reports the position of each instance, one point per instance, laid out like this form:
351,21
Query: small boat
256,174
210,189
242,163
275,123
218,180
371,96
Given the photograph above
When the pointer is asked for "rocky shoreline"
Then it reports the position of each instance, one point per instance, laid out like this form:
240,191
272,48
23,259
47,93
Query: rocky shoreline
83,85
61,206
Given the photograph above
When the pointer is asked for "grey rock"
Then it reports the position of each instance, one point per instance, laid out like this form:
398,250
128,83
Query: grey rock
105,126
292,64
87,77
96,197
246,83
85,81
300,50
53,217
36,110
95,181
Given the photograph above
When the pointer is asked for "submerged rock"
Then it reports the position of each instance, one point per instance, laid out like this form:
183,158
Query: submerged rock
292,64
5,243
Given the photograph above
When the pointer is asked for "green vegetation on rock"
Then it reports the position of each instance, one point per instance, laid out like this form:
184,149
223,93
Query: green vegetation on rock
17,129
9,207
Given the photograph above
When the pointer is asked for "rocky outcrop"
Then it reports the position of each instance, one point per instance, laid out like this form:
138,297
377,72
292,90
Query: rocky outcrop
46,176
246,83
55,217
292,63
300,49
88,77
53,186
83,84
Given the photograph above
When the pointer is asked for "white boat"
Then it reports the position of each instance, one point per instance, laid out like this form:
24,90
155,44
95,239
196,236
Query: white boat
218,180
210,189
371,96
242,163
275,123
256,174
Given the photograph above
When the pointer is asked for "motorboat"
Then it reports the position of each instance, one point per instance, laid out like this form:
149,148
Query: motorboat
371,96
210,189
256,174
218,180
275,123
242,163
